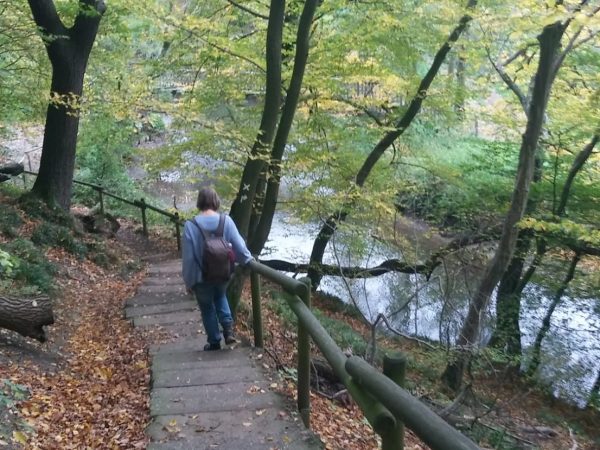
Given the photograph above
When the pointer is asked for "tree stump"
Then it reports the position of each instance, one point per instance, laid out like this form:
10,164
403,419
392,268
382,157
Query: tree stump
26,316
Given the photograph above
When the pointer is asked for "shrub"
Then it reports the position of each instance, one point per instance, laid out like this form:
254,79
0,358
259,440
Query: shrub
32,268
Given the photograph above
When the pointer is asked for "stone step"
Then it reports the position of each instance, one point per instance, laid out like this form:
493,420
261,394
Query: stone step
161,308
211,398
183,331
165,268
180,345
268,428
157,299
162,289
199,359
205,376
159,281
167,318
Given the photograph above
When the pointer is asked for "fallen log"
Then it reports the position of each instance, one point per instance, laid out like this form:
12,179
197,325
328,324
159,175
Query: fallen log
10,170
26,316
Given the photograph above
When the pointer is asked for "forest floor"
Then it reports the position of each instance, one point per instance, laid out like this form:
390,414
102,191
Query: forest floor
87,386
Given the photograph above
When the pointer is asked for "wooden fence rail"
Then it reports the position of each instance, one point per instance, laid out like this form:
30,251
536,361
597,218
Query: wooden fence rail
141,204
385,404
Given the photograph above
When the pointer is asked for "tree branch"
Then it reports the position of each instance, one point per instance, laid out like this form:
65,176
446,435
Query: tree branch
46,17
510,83
248,10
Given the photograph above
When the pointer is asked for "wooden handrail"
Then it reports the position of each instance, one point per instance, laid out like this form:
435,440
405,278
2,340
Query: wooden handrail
385,404
173,217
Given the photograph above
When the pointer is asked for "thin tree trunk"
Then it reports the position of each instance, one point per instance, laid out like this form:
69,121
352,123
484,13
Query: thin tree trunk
507,334
595,393
549,46
331,223
537,346
509,293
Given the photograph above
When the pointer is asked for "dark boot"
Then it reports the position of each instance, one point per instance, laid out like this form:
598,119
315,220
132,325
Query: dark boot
229,335
211,347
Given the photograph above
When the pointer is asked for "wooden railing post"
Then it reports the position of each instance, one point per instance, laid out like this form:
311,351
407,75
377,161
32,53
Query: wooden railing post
177,231
304,363
256,309
144,221
394,367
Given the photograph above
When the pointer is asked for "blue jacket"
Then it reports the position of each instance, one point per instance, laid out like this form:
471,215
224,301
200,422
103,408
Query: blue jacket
192,246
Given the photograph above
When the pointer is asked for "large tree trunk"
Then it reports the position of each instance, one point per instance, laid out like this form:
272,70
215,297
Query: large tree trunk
68,50
26,316
549,45
330,225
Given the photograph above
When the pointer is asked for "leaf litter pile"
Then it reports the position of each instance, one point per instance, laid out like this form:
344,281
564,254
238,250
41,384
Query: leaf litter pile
88,385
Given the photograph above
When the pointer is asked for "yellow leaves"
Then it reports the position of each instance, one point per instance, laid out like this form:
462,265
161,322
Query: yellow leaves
19,437
563,230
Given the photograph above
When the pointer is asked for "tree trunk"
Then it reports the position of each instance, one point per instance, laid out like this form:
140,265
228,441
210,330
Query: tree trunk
537,346
261,233
512,284
257,221
507,334
549,46
68,50
26,316
330,225
594,398
245,200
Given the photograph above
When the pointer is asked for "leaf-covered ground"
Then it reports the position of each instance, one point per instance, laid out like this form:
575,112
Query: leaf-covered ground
88,385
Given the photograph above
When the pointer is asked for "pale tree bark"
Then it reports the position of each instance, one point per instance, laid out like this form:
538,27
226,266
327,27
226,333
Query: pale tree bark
68,50
549,41
331,223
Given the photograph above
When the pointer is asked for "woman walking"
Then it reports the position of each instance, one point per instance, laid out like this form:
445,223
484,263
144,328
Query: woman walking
210,296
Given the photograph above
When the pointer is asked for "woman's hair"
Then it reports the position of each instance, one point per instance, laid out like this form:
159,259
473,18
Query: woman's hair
208,199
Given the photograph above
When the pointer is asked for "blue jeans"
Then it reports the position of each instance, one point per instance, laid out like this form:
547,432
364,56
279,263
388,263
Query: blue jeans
214,308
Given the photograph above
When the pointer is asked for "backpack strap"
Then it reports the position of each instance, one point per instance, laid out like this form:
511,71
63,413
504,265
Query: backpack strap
219,232
202,232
